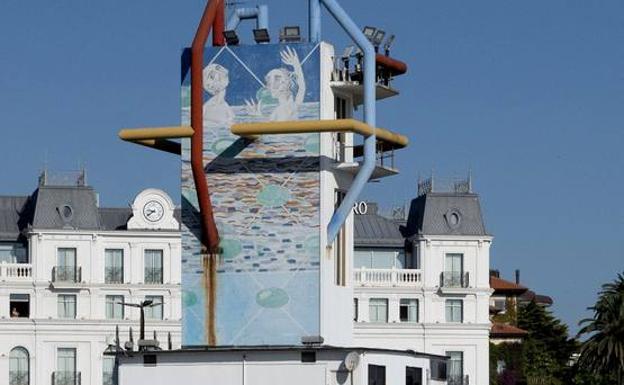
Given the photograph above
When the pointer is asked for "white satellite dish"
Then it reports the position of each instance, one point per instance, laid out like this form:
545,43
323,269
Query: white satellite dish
351,361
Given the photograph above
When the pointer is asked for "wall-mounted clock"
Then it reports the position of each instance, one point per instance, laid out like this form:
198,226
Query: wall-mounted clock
153,211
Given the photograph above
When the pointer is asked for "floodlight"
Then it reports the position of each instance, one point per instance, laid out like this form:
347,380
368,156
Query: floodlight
388,43
261,35
369,32
231,38
378,37
346,54
291,34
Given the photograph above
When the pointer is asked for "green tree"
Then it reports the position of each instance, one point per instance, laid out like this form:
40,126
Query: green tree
602,354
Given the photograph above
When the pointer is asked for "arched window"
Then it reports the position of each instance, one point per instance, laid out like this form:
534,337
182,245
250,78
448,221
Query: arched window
19,366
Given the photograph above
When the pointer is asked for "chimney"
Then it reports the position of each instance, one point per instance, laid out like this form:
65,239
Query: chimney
517,276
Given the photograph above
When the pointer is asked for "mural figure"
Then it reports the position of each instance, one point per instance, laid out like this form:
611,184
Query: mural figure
217,112
280,83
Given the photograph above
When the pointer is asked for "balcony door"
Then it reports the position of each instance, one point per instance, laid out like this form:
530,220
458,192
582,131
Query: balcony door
66,265
66,366
455,368
453,269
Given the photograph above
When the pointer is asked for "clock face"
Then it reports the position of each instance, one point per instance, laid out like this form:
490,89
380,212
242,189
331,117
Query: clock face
153,211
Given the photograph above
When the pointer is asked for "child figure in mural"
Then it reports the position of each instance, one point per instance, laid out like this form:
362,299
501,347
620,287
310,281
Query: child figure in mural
278,90
217,112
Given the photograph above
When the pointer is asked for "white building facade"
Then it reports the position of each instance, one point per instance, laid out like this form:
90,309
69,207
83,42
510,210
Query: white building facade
422,282
66,268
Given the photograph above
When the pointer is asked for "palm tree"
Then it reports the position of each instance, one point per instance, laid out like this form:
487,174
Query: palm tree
602,354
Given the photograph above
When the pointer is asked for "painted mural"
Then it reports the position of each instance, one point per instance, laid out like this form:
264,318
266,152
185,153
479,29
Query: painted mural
265,195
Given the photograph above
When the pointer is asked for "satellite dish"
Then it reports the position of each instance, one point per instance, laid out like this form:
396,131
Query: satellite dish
351,361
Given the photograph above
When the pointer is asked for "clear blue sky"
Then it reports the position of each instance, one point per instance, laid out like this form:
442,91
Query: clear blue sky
529,94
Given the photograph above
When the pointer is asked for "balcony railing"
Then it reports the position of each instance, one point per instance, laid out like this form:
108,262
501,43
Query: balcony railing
454,279
387,277
113,275
18,378
458,380
65,378
71,274
153,275
15,271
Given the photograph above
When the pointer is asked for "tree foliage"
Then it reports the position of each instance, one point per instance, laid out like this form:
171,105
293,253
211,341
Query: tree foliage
602,354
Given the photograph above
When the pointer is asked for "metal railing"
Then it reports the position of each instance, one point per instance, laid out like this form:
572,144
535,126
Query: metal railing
153,275
15,271
387,277
458,380
67,274
18,378
454,279
113,275
65,378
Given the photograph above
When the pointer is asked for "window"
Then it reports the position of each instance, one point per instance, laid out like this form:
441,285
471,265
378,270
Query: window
109,371
376,375
113,266
66,306
66,367
454,310
455,368
156,310
341,112
355,309
438,369
340,246
19,366
413,376
66,265
383,259
114,307
500,304
408,310
378,309
453,270
153,266
19,305
13,253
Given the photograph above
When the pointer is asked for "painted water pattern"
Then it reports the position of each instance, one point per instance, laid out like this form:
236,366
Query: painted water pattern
265,195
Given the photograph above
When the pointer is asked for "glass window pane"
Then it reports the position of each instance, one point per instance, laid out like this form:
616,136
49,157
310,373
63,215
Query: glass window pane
378,310
153,266
156,311
362,258
19,366
383,259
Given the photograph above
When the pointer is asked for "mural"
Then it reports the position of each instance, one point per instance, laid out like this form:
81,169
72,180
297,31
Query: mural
265,195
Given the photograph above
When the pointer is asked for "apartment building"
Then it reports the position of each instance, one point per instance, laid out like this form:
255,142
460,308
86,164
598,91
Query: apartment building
67,269
421,282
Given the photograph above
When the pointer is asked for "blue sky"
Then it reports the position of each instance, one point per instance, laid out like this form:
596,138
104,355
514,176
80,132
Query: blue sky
527,94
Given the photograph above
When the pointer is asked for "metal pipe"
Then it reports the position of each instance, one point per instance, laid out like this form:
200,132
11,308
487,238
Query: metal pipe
260,13
314,21
368,165
156,133
210,235
396,67
385,137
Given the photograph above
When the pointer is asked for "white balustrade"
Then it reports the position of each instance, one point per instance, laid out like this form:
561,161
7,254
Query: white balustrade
387,277
15,271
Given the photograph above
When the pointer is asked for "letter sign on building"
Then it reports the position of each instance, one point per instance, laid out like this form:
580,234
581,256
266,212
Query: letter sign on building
360,208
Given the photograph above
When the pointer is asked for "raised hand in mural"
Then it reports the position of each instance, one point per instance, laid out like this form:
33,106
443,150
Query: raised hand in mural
252,107
290,58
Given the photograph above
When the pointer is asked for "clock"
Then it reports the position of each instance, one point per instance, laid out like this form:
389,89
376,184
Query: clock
153,211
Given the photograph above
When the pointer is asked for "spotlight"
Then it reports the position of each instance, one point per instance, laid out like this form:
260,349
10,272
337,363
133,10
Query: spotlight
231,38
369,32
290,34
261,35
389,42
378,37
346,54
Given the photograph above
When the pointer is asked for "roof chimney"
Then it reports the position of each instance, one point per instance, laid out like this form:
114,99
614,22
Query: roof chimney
517,276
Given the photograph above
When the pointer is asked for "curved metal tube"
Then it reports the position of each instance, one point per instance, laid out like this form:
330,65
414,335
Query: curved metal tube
395,66
368,166
210,18
314,21
260,13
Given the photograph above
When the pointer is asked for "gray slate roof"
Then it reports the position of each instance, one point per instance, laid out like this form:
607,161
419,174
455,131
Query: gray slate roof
52,199
373,230
14,216
430,215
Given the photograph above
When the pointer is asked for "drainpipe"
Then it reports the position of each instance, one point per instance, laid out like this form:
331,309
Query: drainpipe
314,21
341,214
260,13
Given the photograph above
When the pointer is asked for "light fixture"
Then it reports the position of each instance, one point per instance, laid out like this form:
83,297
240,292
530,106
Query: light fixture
348,51
369,32
261,35
290,34
388,43
378,37
231,38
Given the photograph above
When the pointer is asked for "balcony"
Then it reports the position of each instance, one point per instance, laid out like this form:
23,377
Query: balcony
113,275
65,378
66,274
387,277
15,271
454,279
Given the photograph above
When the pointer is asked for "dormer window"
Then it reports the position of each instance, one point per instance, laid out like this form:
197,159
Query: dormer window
453,218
